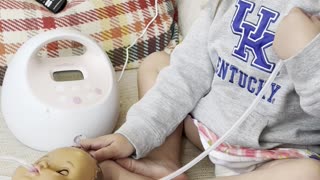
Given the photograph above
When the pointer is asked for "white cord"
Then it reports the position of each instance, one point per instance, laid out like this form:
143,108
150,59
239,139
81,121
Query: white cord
235,125
134,42
21,162
206,152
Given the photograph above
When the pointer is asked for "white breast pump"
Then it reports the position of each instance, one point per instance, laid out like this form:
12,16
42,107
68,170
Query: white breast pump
47,102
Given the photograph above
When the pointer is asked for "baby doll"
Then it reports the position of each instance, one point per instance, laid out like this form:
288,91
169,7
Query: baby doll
63,163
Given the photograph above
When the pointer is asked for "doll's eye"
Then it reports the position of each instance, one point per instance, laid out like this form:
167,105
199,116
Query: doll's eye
63,172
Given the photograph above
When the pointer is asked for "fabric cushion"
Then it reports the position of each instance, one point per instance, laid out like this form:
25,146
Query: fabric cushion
186,18
113,24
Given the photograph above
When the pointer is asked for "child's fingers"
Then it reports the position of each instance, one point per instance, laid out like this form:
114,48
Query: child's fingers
104,154
94,144
108,147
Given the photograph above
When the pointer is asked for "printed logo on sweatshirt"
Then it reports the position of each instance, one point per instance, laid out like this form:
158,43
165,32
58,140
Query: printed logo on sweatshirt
255,37
253,85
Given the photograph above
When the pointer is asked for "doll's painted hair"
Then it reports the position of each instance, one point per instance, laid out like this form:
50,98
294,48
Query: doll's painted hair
99,174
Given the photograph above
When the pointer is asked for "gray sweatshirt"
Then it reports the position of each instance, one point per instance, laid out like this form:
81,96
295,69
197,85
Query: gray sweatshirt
218,70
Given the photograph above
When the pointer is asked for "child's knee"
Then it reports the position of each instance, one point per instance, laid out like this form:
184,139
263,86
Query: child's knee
296,15
155,62
295,11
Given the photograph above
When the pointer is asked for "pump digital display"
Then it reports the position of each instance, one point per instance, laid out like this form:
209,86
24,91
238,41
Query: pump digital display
70,75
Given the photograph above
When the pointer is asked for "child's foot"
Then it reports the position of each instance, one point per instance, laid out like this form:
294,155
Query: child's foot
153,168
113,171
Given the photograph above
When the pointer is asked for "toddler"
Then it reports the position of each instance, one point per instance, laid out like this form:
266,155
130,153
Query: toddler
213,76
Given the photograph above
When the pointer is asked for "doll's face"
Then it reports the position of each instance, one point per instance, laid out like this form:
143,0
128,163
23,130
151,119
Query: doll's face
61,164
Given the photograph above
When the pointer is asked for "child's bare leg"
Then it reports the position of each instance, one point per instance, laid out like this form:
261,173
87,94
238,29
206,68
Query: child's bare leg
166,158
192,133
149,70
288,169
159,162
111,171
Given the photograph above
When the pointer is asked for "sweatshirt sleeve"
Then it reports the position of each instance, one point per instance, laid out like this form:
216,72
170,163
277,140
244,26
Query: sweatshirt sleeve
176,92
304,70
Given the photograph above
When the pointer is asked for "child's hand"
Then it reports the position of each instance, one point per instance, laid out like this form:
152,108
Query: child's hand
113,146
294,33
